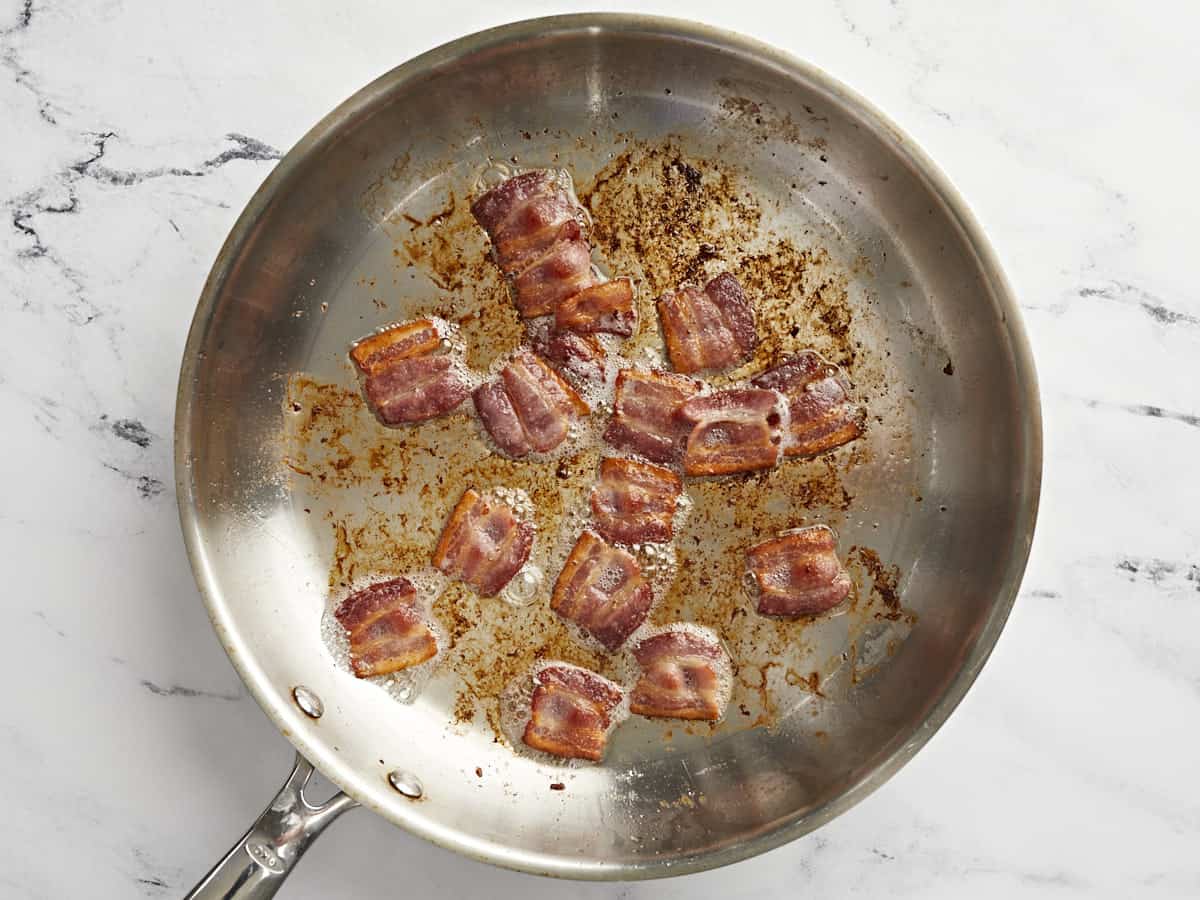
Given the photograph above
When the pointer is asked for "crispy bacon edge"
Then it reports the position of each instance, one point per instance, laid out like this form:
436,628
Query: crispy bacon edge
377,351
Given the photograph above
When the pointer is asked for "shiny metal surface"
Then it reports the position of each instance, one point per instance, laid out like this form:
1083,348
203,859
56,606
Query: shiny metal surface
955,509
257,865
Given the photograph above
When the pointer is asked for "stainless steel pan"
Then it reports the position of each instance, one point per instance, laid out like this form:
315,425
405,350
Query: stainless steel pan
835,217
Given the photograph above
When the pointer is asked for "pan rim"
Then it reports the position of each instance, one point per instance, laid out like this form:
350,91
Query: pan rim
285,718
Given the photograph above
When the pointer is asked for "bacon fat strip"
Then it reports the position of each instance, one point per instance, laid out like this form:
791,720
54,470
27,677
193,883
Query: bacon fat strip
821,414
681,676
483,543
571,712
415,389
376,352
601,308
386,629
798,573
601,589
709,329
736,430
645,408
634,502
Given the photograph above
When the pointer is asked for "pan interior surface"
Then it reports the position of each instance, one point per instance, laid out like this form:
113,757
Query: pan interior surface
693,150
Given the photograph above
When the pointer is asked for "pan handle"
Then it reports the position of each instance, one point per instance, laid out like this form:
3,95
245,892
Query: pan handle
257,865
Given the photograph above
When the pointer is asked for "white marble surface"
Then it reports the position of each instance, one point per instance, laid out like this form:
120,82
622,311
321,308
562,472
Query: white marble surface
132,134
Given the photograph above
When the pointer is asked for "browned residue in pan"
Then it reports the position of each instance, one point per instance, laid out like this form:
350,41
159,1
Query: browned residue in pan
661,217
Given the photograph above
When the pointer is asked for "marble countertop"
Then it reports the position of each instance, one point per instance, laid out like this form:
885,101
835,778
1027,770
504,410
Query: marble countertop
134,132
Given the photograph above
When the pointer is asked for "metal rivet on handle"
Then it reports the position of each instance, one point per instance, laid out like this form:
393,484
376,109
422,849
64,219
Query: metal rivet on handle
406,783
310,704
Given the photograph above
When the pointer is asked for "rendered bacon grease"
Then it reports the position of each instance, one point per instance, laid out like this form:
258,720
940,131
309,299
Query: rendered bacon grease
665,428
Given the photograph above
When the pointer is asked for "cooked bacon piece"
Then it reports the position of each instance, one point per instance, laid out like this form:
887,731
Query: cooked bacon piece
524,215
484,544
681,676
492,208
634,502
536,227
644,413
500,419
709,329
579,356
387,631
378,351
412,390
726,292
564,269
820,411
602,590
732,431
531,407
798,573
571,712
605,307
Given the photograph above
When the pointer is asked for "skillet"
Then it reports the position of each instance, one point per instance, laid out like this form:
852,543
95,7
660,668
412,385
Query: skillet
692,147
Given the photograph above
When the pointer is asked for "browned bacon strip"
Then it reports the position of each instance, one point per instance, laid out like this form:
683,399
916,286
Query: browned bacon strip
375,353
634,502
387,631
412,390
530,408
564,269
536,227
524,216
602,590
681,676
484,544
571,712
578,356
709,329
644,413
736,430
500,419
798,573
820,411
605,307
